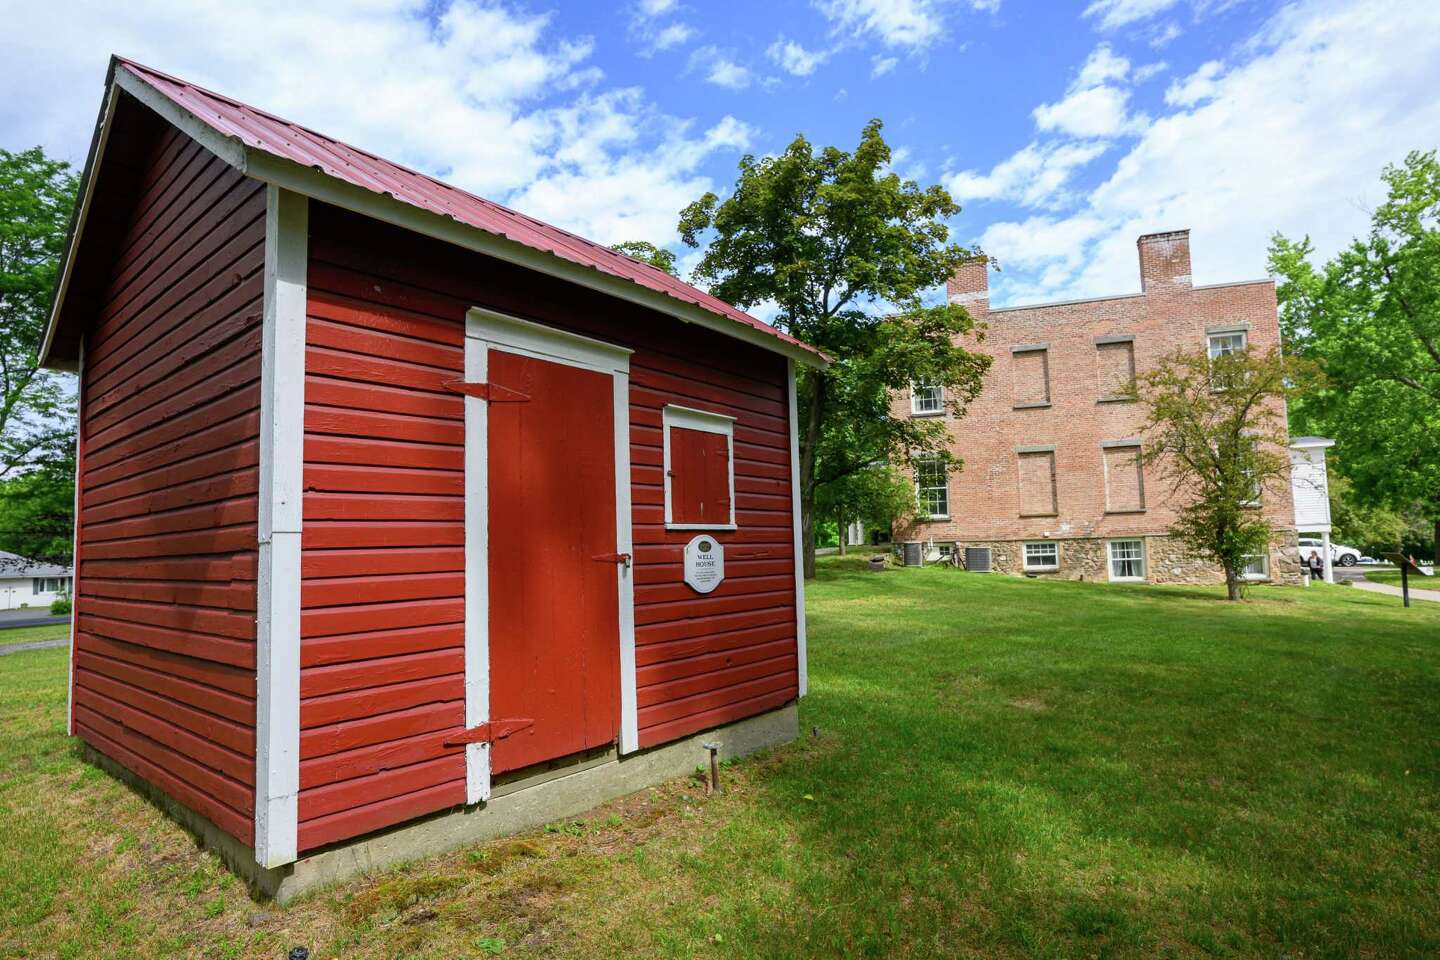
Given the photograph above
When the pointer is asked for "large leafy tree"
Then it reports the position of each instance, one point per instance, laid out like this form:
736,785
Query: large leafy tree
1215,428
36,406
843,249
1371,318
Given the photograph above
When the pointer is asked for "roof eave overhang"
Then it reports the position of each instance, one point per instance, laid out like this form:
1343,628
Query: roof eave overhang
318,185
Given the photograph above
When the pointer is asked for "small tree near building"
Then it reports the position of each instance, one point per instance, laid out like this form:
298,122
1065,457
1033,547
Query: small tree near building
1215,429
877,496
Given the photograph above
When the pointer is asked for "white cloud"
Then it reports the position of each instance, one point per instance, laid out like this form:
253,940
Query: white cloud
656,8
1117,13
495,100
1291,137
668,37
1197,87
795,59
1141,74
1096,112
1102,66
1033,176
912,24
718,68
879,66
1094,106
1164,35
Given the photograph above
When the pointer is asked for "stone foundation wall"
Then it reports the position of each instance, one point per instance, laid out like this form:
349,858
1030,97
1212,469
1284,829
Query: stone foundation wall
1167,560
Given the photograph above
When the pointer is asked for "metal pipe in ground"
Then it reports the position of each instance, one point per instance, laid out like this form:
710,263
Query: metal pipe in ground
712,785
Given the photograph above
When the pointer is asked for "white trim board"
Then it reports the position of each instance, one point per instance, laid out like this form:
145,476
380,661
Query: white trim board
705,421
75,538
484,329
795,516
281,502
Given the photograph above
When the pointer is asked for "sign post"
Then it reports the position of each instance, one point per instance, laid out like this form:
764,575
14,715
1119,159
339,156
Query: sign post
1406,565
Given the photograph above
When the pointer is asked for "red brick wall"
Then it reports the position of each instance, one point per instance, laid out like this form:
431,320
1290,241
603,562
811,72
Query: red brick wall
986,501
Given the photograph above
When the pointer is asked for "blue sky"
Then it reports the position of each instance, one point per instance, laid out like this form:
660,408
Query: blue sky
1065,129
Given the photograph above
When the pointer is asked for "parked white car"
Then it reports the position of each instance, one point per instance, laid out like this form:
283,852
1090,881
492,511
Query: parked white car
1339,553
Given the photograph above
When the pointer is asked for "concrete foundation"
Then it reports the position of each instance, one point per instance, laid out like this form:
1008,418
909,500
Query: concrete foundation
527,800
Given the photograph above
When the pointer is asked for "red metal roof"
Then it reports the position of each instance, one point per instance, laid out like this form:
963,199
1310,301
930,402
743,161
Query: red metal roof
262,131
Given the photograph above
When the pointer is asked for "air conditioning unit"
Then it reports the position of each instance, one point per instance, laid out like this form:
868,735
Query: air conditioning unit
977,559
912,554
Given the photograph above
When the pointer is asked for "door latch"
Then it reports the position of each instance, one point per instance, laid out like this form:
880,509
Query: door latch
613,558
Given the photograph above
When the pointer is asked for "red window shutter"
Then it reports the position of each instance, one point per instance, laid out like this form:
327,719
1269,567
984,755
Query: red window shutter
699,476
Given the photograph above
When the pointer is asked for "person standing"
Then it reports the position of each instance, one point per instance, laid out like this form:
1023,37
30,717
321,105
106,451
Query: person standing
1316,566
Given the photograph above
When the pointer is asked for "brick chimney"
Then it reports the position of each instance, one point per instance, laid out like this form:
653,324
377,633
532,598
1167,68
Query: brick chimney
1164,260
970,287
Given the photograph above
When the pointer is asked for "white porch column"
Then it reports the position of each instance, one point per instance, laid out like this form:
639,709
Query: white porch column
1329,567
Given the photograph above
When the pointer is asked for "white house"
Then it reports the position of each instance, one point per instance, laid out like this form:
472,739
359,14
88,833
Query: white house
1310,486
24,583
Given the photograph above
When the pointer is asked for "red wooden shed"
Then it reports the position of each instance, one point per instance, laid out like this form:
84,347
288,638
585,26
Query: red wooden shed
404,519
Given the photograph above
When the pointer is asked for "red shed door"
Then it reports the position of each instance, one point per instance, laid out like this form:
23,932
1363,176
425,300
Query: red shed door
554,632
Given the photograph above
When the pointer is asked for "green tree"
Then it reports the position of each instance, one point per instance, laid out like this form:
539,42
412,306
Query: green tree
844,250
877,496
36,197
1215,429
37,511
1371,318
37,436
647,252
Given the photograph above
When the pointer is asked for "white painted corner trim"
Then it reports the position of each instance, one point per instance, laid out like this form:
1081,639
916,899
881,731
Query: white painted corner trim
691,418
485,329
75,534
800,651
282,445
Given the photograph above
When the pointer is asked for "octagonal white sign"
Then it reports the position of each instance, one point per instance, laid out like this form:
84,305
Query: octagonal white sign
704,563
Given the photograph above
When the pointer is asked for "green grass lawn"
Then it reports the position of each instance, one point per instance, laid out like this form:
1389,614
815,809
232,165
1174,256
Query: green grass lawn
998,768
46,631
1392,577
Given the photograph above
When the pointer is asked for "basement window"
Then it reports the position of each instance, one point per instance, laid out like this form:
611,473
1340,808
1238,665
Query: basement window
1127,559
1042,556
699,469
1257,567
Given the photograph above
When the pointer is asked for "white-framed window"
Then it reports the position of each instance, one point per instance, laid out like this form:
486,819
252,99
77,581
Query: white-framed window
699,469
1257,567
1127,559
926,399
1044,555
1224,344
932,486
51,585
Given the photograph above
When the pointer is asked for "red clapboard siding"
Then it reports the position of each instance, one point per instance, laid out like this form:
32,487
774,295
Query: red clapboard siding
383,539
165,588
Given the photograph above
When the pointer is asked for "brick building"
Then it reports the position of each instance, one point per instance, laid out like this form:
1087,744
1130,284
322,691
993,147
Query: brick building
1051,482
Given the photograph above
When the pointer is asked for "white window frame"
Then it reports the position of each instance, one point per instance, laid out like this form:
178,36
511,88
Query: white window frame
51,585
1111,559
1041,567
916,409
1210,339
920,500
706,421
1264,573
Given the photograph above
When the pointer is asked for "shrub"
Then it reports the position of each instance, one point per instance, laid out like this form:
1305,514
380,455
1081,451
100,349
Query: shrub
59,606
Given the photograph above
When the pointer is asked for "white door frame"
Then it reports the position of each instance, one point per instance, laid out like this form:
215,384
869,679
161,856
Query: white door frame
485,329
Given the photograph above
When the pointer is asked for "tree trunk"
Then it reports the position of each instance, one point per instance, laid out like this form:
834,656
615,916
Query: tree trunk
1436,545
1232,584
807,532
840,528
